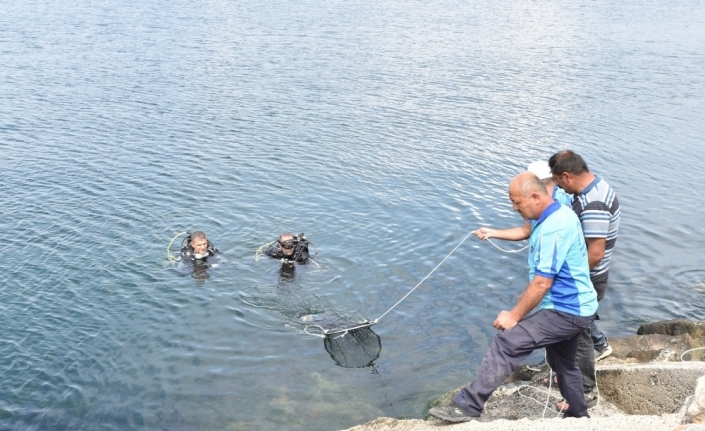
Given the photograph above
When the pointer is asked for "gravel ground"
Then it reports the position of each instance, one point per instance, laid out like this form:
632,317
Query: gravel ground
618,422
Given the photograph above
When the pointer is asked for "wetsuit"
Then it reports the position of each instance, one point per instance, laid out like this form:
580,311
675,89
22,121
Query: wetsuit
300,254
188,255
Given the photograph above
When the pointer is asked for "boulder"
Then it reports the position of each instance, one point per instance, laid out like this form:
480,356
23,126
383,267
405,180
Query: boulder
695,329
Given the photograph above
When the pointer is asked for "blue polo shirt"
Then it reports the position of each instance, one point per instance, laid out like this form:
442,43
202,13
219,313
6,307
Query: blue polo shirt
561,196
557,250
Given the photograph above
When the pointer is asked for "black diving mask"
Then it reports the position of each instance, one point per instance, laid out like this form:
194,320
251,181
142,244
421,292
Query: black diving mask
288,244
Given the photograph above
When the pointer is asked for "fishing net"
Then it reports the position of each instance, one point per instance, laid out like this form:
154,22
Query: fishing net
350,342
354,349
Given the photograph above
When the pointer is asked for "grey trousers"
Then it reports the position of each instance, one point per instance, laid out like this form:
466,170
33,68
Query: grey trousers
556,331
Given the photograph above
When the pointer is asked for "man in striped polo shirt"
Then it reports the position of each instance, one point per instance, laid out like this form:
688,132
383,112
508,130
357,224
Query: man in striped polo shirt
597,206
559,283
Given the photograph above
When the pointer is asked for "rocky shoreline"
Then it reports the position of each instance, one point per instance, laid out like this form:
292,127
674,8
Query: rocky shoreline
650,382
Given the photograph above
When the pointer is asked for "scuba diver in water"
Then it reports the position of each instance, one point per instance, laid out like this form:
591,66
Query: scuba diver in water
197,248
198,254
290,249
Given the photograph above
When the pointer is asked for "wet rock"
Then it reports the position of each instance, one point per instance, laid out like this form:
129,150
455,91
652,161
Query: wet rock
644,355
654,348
695,329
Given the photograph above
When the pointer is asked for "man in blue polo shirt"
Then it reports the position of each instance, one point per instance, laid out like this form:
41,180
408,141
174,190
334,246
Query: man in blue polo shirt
560,285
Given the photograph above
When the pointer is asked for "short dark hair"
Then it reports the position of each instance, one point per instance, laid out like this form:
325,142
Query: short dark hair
567,161
198,235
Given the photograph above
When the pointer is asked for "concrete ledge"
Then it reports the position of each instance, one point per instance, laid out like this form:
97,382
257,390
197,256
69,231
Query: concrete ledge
643,386
649,388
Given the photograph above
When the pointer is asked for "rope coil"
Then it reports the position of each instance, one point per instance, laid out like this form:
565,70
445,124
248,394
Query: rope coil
169,255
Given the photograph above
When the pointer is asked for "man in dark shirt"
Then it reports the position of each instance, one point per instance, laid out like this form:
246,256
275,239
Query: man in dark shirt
290,248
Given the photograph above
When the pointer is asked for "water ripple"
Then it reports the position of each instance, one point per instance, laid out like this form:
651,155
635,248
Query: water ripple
384,131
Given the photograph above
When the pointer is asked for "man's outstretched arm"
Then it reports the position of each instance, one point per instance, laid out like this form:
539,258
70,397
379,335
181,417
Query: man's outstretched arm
511,234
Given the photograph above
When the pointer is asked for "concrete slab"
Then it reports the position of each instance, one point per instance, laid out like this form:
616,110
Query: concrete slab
649,388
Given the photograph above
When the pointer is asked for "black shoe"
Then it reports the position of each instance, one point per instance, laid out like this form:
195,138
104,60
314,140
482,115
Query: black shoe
452,413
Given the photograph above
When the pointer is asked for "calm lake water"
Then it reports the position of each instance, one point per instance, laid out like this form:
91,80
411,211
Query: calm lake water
385,131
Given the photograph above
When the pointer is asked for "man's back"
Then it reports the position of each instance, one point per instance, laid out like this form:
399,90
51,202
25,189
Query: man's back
598,208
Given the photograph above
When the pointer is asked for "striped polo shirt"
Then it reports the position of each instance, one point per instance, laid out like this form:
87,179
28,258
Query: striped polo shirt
597,207
557,250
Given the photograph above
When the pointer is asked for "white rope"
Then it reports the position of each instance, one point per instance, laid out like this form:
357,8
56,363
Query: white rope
168,247
507,251
321,335
260,250
377,320
691,350
550,383
424,279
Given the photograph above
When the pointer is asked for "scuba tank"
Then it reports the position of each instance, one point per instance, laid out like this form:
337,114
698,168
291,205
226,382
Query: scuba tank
300,248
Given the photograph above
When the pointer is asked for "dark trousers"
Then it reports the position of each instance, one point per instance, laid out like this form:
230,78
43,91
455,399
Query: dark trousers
585,357
586,346
556,331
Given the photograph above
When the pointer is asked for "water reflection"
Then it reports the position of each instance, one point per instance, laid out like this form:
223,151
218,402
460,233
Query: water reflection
240,119
200,272
287,272
199,269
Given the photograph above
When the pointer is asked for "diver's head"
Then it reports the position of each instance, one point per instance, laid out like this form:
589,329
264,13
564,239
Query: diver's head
287,244
199,243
